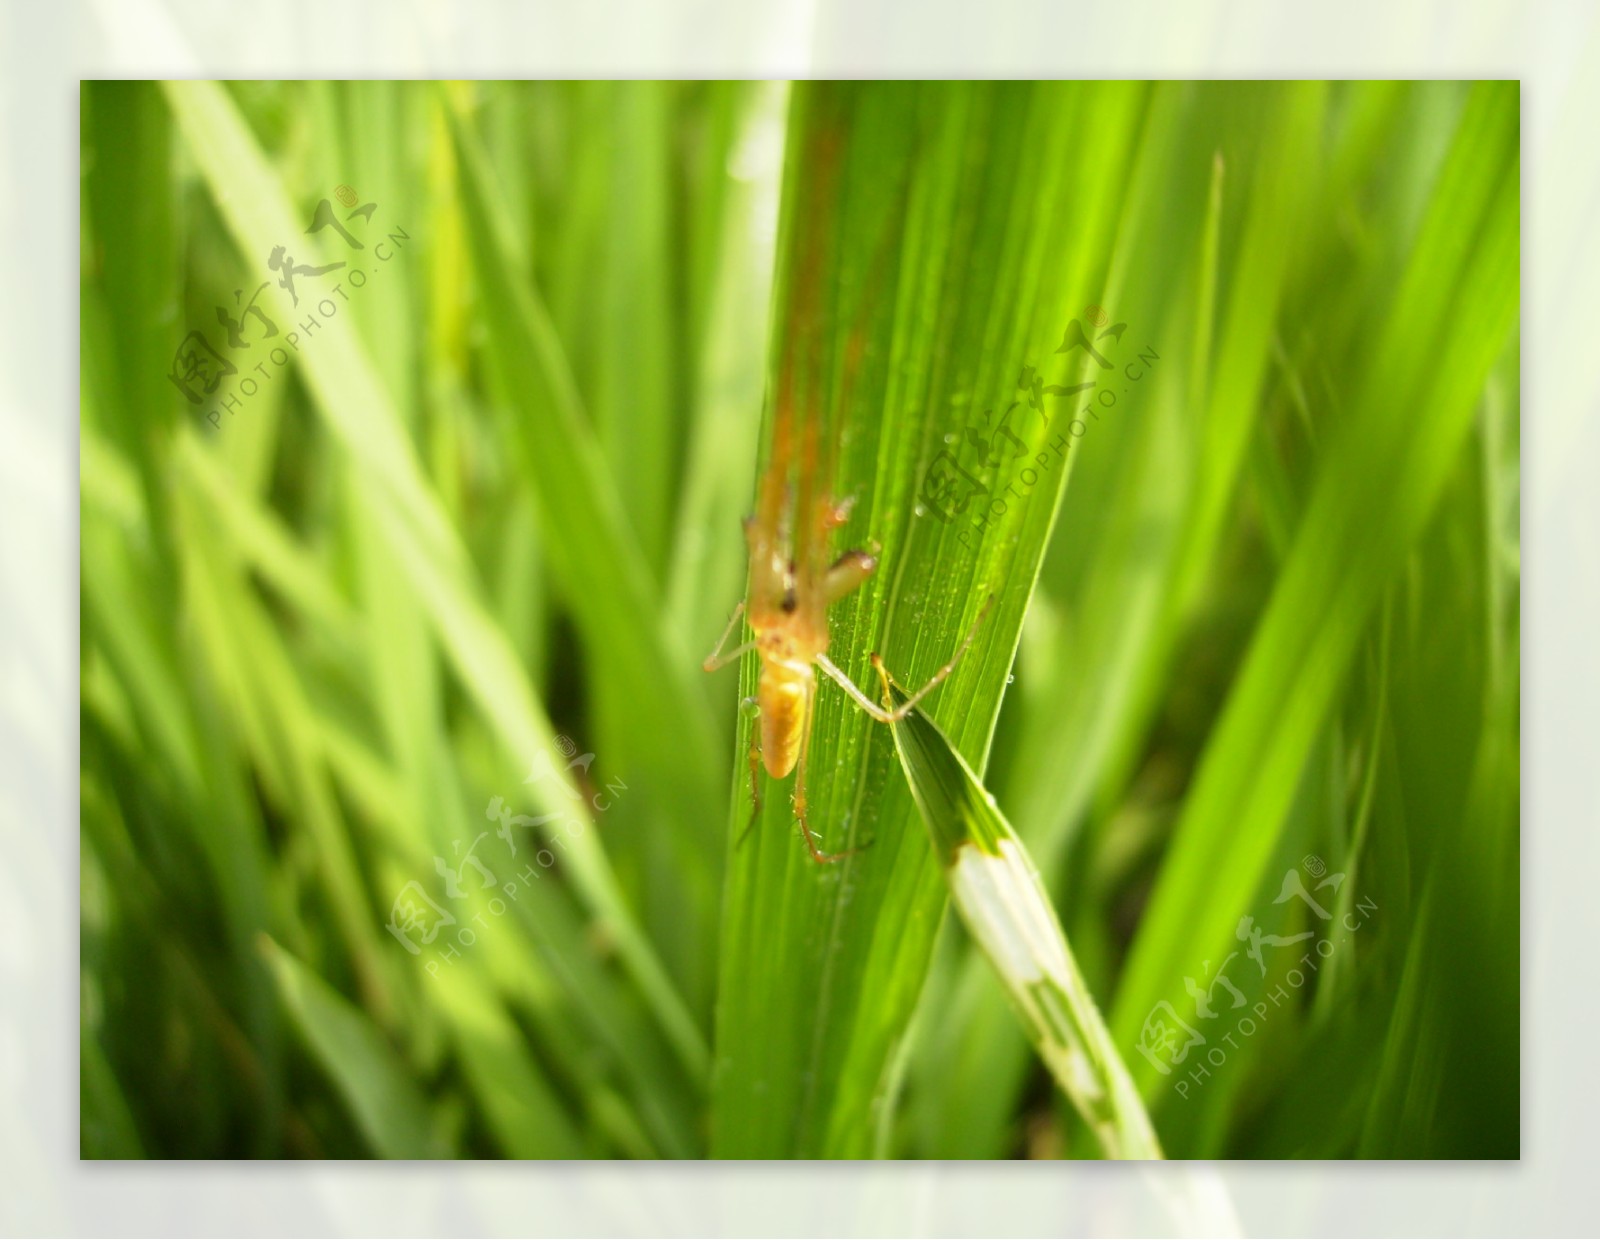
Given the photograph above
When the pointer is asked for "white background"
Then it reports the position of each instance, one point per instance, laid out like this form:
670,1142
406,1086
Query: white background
1554,48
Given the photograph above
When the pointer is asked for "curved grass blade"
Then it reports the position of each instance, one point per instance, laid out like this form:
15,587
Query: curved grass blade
380,1092
997,891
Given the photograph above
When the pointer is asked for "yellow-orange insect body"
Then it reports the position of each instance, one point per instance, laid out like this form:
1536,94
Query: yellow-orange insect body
788,610
790,592
785,690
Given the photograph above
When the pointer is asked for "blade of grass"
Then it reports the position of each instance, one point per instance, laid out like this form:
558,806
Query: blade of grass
394,1116
523,1106
965,198
1003,902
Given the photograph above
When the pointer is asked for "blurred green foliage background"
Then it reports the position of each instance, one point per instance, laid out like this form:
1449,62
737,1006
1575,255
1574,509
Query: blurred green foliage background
455,560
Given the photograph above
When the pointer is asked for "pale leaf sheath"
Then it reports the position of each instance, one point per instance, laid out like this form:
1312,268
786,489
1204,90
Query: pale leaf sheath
997,892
